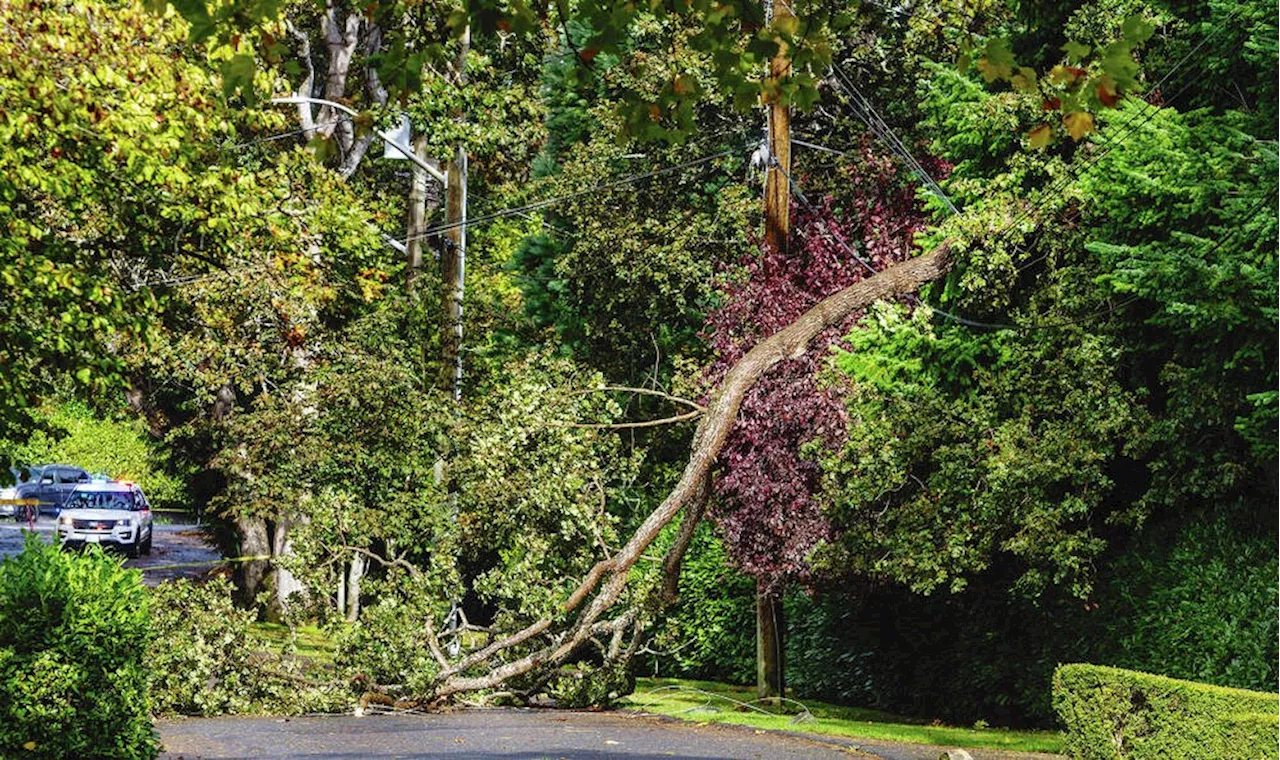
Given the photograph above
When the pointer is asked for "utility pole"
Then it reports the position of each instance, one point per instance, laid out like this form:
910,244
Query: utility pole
777,186
453,268
453,257
770,623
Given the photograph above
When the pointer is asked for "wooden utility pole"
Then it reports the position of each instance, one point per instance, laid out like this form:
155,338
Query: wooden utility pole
777,185
453,257
770,623
453,269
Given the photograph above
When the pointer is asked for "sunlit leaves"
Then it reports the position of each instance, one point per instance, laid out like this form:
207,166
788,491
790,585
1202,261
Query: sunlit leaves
237,75
997,61
1076,52
1040,136
1090,79
1078,124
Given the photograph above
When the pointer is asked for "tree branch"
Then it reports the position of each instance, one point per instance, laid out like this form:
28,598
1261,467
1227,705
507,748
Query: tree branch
790,342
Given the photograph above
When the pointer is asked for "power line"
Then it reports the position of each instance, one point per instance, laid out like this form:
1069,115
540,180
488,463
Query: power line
864,110
283,135
603,187
839,240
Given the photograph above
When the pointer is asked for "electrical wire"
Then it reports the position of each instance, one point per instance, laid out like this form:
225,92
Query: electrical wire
867,113
283,135
602,187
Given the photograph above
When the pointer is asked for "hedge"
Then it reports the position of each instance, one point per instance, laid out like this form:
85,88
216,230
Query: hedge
74,633
1115,714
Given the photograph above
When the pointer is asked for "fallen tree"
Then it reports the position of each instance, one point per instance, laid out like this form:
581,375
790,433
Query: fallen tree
551,641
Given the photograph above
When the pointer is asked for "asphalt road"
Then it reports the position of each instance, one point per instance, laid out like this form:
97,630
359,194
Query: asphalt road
172,545
511,734
516,734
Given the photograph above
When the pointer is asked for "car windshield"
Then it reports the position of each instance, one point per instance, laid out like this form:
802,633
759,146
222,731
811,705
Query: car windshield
100,500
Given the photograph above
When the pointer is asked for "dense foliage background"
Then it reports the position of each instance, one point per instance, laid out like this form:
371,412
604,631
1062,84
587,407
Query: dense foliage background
1066,450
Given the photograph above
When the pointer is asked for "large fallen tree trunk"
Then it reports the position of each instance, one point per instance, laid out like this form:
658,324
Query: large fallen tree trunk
603,585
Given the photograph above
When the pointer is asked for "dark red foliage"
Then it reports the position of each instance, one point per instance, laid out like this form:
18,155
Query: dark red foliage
765,505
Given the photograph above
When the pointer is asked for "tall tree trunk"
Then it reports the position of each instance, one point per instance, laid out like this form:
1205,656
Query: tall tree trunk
420,198
284,584
251,577
358,565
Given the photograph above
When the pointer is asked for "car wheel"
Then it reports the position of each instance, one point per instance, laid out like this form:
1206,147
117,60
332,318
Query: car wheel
132,549
146,546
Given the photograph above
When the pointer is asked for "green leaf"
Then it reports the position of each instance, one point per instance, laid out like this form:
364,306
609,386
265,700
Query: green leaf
237,75
1137,29
1076,51
197,16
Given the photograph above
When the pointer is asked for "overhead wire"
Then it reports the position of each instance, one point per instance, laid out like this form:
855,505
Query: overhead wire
868,114
602,187
520,210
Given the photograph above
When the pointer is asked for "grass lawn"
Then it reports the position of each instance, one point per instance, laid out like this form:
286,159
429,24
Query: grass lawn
311,642
652,696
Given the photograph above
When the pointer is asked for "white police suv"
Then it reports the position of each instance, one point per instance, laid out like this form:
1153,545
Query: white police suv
109,514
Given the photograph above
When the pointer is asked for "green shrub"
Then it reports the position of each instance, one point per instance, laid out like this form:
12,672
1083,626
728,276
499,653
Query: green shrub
74,636
710,633
119,447
1114,714
586,685
386,646
1196,600
206,663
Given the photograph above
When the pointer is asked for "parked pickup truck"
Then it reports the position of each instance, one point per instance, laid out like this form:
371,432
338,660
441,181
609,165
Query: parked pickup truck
50,484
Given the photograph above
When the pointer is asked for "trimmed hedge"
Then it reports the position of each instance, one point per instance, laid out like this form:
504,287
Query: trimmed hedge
74,632
1115,714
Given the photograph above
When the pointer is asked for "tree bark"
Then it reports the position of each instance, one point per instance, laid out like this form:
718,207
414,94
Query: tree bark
340,37
377,94
358,566
284,584
419,205
250,577
606,581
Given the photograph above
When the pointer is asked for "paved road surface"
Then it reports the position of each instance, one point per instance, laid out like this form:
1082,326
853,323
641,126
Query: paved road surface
513,734
479,735
172,545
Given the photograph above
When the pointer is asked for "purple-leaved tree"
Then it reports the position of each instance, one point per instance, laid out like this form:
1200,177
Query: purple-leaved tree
764,486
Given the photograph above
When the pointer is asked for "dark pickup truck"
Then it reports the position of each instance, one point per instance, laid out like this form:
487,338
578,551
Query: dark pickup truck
51,484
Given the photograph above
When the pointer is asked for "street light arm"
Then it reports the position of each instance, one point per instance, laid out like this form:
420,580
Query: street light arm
428,168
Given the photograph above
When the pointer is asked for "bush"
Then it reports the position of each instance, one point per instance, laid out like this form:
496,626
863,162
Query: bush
585,685
710,633
74,635
386,646
118,447
206,663
1196,600
1114,714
